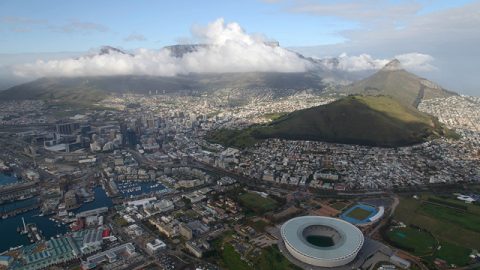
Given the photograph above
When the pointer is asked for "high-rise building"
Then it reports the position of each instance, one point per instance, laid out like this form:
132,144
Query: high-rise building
131,137
70,199
67,128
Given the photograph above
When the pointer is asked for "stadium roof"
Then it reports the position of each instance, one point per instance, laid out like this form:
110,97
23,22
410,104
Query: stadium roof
351,238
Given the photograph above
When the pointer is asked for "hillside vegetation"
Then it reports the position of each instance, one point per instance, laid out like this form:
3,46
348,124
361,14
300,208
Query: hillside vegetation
363,120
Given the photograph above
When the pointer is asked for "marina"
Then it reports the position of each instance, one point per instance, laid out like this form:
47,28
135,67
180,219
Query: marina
7,178
131,189
31,230
46,226
100,199
12,209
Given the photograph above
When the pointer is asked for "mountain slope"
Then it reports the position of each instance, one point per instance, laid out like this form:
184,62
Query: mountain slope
92,89
87,89
362,120
392,80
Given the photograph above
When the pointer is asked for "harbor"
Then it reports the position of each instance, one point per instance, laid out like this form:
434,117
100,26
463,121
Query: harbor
7,178
43,226
31,230
132,189
19,207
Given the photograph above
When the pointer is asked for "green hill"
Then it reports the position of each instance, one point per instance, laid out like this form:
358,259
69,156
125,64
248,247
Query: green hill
394,81
363,120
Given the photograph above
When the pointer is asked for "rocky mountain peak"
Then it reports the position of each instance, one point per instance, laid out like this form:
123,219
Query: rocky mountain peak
393,65
109,49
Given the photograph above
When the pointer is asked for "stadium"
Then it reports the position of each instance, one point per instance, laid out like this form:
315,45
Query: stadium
322,241
363,214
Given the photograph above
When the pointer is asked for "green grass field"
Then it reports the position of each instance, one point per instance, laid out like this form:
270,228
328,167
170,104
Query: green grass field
232,259
421,242
409,211
272,259
359,214
464,219
257,203
453,254
455,229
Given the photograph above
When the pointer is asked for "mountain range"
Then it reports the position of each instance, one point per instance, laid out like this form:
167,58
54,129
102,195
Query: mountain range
392,81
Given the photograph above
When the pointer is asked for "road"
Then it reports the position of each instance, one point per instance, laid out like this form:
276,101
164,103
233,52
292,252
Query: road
393,207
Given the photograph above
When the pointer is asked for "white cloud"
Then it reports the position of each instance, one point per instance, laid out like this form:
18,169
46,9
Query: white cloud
364,62
360,62
231,50
451,35
416,61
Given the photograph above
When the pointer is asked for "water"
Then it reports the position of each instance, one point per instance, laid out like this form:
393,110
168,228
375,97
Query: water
10,236
101,200
4,208
8,227
6,179
133,188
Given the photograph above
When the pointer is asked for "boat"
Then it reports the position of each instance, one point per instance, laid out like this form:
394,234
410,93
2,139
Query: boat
15,248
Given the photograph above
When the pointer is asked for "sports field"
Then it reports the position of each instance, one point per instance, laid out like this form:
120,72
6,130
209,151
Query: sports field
257,203
462,218
456,228
453,254
420,243
438,221
359,213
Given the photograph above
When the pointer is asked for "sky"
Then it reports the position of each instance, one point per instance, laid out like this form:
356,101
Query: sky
436,39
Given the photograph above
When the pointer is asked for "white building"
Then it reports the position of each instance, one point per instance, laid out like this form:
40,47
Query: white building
155,246
164,206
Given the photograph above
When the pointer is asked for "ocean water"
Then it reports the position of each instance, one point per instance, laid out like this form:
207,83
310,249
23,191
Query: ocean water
8,227
7,179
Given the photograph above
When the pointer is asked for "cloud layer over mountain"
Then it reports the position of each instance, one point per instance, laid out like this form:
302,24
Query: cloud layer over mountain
450,35
231,50
362,62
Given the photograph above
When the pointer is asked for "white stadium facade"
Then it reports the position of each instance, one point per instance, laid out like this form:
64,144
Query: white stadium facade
322,241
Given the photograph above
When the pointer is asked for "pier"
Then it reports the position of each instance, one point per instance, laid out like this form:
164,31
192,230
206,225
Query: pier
31,230
18,211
